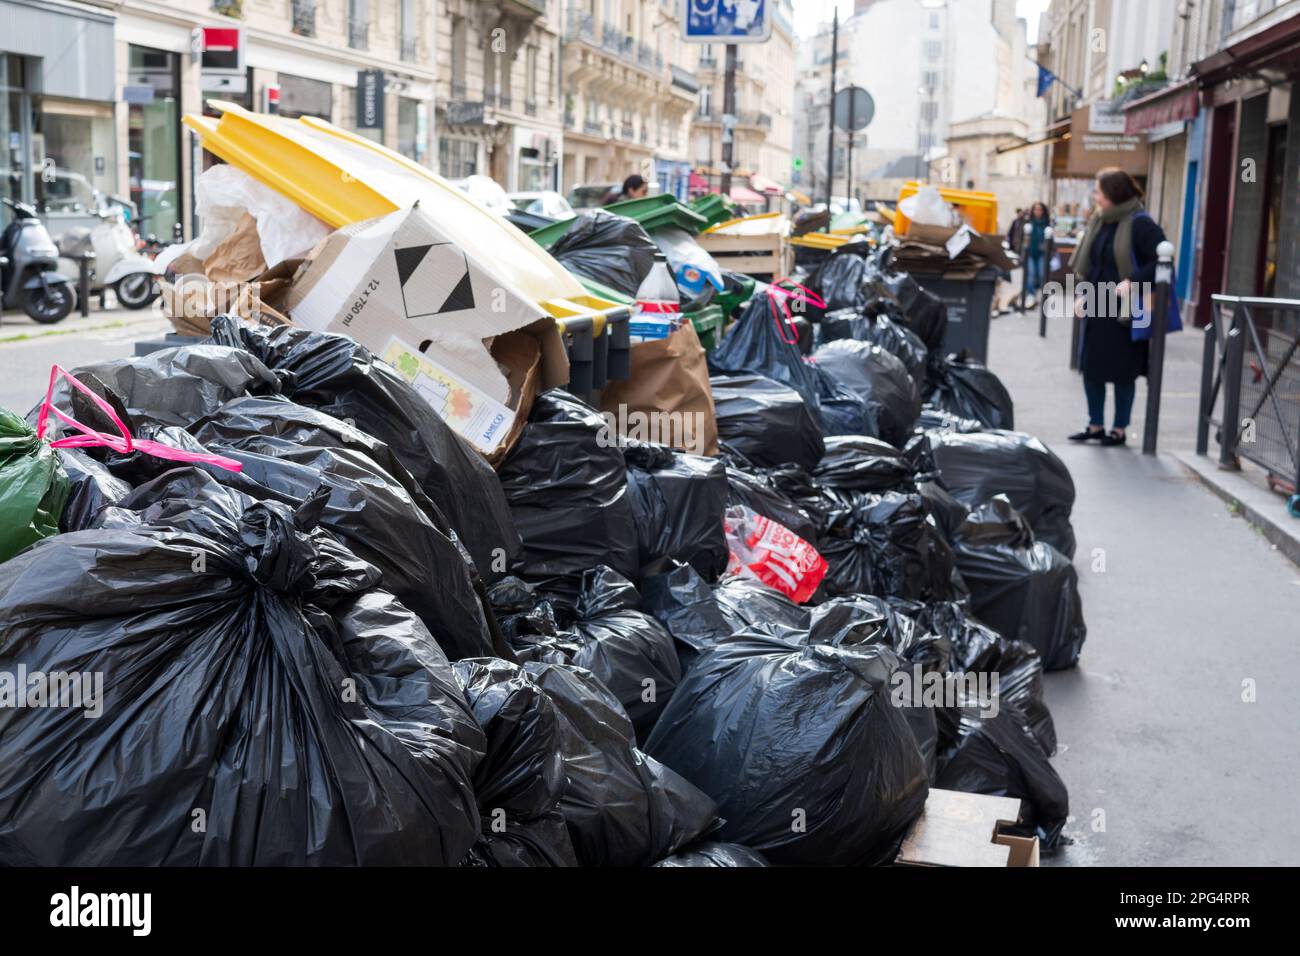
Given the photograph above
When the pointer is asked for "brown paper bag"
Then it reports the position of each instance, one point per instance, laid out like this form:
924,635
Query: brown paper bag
669,376
238,257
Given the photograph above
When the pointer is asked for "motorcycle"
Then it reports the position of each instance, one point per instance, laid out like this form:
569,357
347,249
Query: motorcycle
118,265
29,277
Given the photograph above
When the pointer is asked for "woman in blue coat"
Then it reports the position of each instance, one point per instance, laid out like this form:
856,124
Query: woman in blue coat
1118,251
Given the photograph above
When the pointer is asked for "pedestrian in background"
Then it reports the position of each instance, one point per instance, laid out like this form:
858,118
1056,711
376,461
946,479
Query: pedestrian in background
1119,248
1038,249
1016,234
634,187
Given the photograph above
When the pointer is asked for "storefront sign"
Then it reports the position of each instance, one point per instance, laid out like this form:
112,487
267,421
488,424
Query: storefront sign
464,113
370,99
1086,153
1105,117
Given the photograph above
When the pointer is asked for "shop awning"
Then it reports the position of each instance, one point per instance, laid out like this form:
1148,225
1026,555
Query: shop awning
741,194
1275,46
1173,104
1041,141
764,185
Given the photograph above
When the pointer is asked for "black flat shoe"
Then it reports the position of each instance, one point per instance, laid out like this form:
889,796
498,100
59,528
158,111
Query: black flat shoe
1113,438
1089,434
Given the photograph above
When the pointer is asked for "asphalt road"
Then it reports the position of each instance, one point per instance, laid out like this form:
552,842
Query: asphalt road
28,350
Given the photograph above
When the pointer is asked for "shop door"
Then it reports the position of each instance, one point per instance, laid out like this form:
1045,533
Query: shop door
1221,183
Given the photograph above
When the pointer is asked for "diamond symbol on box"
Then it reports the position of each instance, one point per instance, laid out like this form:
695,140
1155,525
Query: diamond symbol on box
434,279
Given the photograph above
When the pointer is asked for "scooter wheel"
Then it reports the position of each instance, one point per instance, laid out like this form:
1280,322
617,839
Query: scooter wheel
1293,506
48,305
137,290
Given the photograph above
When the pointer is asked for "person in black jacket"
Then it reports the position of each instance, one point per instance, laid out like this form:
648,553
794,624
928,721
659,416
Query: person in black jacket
1118,250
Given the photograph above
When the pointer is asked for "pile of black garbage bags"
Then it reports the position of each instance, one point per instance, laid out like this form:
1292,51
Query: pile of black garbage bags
366,646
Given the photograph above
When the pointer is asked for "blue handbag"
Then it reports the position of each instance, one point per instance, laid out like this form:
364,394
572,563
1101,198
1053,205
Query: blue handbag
1141,327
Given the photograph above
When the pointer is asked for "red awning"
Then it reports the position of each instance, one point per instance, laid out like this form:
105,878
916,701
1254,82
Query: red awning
1173,104
741,194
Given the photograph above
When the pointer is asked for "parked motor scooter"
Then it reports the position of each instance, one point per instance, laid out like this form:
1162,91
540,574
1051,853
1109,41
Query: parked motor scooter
118,265
29,278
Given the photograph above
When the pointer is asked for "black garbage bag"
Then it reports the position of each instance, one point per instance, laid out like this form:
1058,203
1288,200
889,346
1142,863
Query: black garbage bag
765,421
684,603
762,342
677,501
977,466
247,662
839,281
709,853
759,492
567,489
899,295
521,780
1022,588
947,511
999,755
884,544
765,342
936,418
629,651
336,375
175,386
808,759
863,463
881,330
288,450
978,649
608,248
622,806
91,488
965,387
605,632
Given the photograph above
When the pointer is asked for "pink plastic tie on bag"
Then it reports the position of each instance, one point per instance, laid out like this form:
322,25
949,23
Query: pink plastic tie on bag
122,443
778,298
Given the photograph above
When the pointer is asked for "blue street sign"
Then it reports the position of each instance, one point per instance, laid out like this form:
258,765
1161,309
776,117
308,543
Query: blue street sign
726,21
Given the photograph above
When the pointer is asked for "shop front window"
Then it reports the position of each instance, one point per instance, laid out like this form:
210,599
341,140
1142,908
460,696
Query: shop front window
412,128
457,158
153,139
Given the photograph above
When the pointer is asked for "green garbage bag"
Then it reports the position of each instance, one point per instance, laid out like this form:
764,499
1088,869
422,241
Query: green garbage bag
33,486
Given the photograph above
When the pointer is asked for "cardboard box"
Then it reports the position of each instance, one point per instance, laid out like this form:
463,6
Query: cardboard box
966,829
963,240
402,288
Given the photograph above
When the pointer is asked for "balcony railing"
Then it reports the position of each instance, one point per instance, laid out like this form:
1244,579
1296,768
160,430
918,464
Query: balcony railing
410,49
627,131
581,26
530,107
645,136
569,120
458,89
708,62
593,127
358,34
302,15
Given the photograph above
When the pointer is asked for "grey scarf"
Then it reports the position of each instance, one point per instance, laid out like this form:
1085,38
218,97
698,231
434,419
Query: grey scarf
1121,214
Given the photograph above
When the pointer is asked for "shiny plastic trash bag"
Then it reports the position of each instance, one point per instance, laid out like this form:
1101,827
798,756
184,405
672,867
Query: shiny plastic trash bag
965,387
91,488
709,853
253,678
999,755
521,780
622,806
881,330
678,501
863,463
807,757
977,466
839,280
611,249
767,422
566,483
899,295
881,380
33,486
1022,588
338,376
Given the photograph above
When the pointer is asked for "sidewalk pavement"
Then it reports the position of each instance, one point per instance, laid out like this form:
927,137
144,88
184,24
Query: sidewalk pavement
1178,727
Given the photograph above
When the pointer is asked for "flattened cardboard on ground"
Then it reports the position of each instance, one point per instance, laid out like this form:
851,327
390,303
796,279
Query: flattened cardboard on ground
401,287
965,829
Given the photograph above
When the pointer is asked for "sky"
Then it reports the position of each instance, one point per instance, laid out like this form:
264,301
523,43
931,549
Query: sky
807,13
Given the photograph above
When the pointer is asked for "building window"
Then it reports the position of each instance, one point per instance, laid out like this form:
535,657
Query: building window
933,49
706,101
412,128
406,30
457,158
300,96
359,24
458,41
929,111
934,21
530,76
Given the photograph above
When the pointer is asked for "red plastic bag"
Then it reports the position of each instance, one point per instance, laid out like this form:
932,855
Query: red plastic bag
772,554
